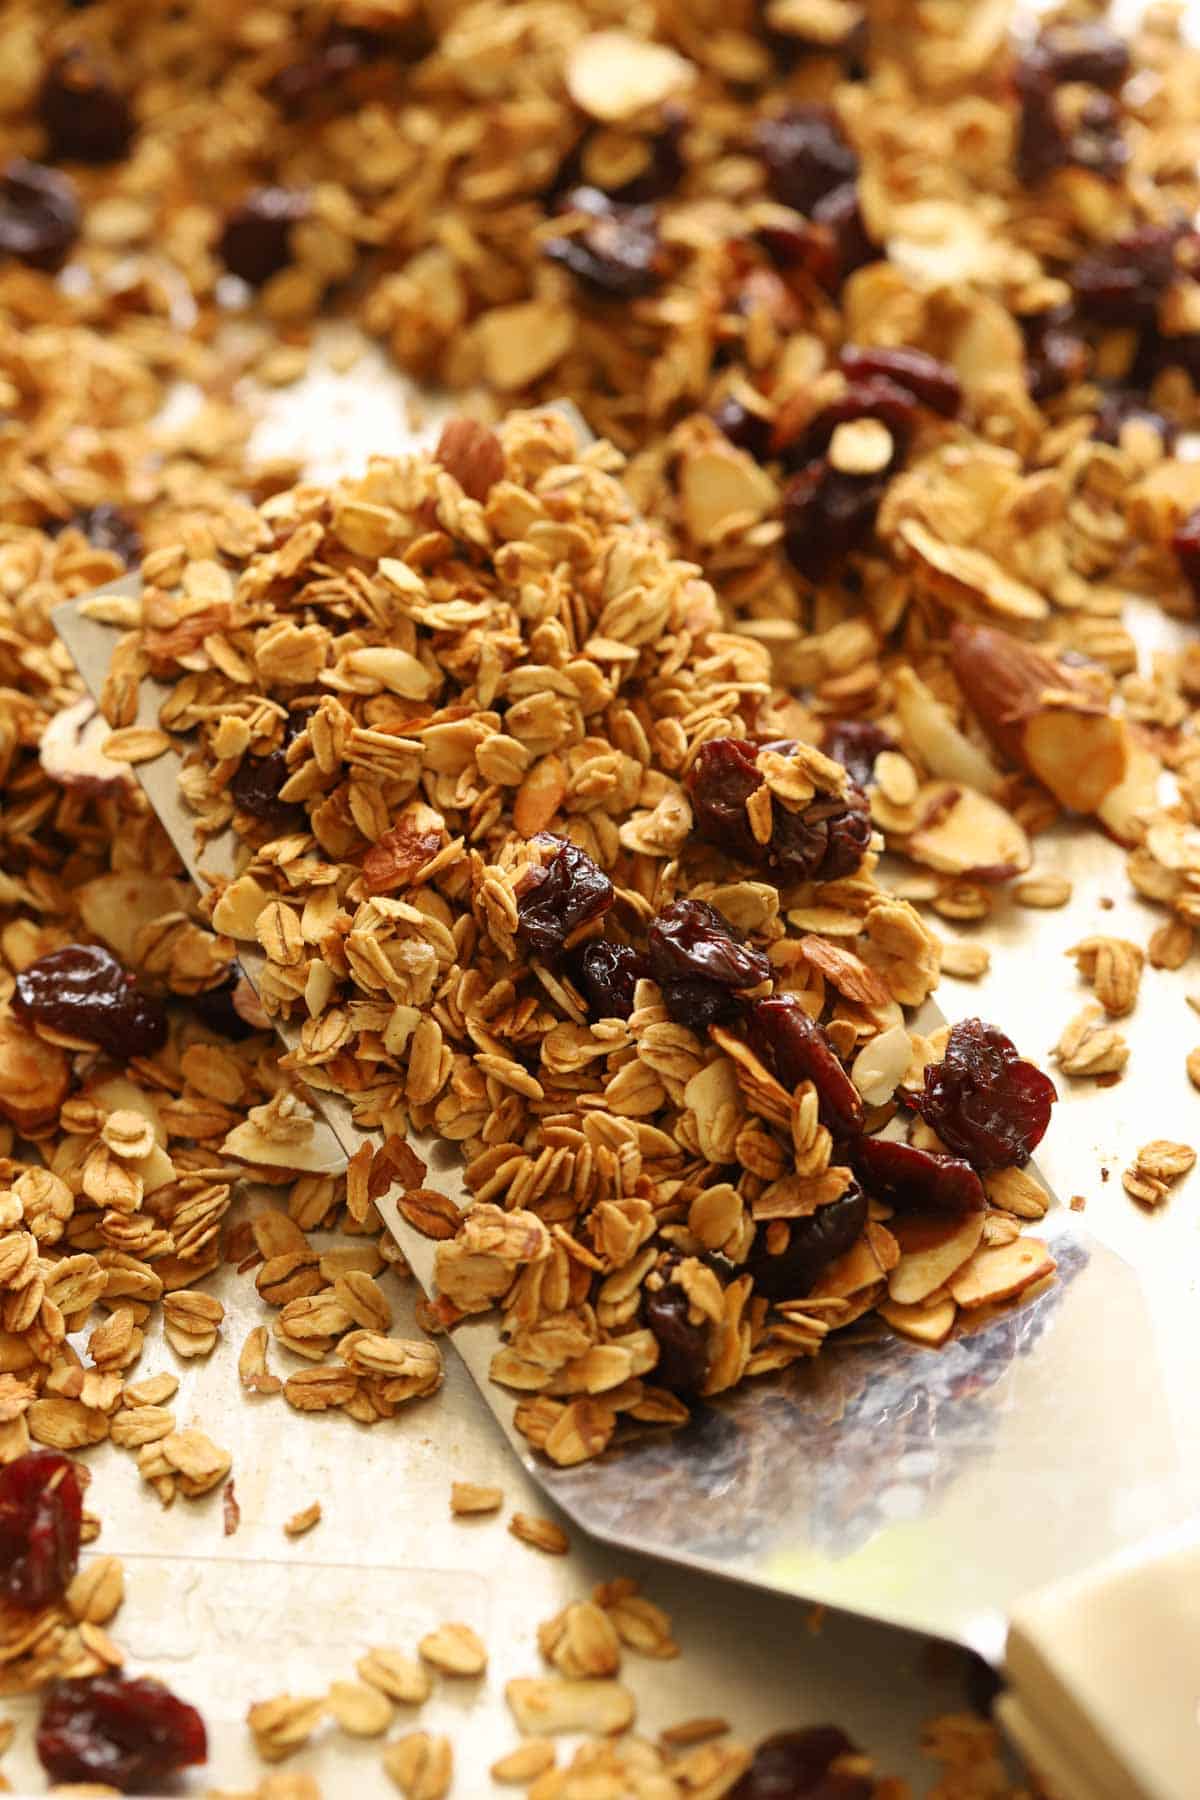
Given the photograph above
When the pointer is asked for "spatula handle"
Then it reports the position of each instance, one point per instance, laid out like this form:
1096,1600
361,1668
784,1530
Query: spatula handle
1104,1674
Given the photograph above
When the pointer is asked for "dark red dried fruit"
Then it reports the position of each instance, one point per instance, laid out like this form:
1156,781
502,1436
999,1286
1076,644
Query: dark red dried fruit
1186,545
801,1765
691,941
41,1510
254,790
806,155
1083,50
796,1048
1123,282
39,214
131,1732
256,238
311,82
699,1004
683,1357
824,842
618,256
840,214
567,892
855,743
750,431
86,117
826,516
1121,405
215,1008
931,382
1056,355
915,1180
1096,141
813,1243
984,1101
108,528
874,398
661,175
1040,141
84,991
607,975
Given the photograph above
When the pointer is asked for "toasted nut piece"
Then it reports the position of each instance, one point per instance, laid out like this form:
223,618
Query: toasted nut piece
304,1520
1001,1272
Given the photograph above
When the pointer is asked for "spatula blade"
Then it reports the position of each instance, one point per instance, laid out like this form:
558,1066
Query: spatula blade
930,1489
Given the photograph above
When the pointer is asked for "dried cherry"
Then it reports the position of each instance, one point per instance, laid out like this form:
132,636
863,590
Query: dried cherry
85,992
875,397
310,82
565,893
107,528
915,1180
806,155
855,743
1119,406
985,1101
128,1731
41,1513
254,790
1186,545
796,1048
683,1356
840,214
824,841
39,214
931,382
616,257
801,1765
826,515
215,1008
86,117
1123,282
1056,356
1045,141
813,1243
1085,50
749,431
607,975
256,238
691,941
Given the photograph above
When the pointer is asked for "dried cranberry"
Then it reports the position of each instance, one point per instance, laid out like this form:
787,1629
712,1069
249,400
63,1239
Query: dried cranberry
1123,282
840,213
826,515
311,81
254,790
130,1732
874,398
1186,545
608,975
683,1358
915,1180
1056,355
813,1243
107,528
1082,50
87,118
215,1008
699,1004
84,992
256,238
797,1049
749,431
41,1511
855,743
806,155
691,941
1096,141
931,382
567,892
664,168
984,1101
799,1765
617,256
823,842
1040,141
1121,405
39,214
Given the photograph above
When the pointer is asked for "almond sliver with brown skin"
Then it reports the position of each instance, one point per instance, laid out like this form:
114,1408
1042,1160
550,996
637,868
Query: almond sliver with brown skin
968,834
1001,1271
932,1249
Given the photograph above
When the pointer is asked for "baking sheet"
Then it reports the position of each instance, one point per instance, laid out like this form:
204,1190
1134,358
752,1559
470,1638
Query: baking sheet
229,1620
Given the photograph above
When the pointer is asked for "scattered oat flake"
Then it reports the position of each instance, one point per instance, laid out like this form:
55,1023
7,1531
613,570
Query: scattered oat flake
468,1497
454,1649
543,1534
304,1520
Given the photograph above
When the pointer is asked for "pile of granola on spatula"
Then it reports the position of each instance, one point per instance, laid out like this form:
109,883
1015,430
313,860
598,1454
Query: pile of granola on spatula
547,866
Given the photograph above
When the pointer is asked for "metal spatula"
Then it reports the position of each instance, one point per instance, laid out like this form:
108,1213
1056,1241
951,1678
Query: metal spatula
956,1492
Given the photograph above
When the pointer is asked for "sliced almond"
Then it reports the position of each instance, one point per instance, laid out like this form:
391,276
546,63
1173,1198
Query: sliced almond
1000,1271
929,1324
964,833
614,76
932,1248
547,1705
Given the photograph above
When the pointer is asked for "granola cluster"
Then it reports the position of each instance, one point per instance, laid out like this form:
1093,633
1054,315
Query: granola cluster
559,828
